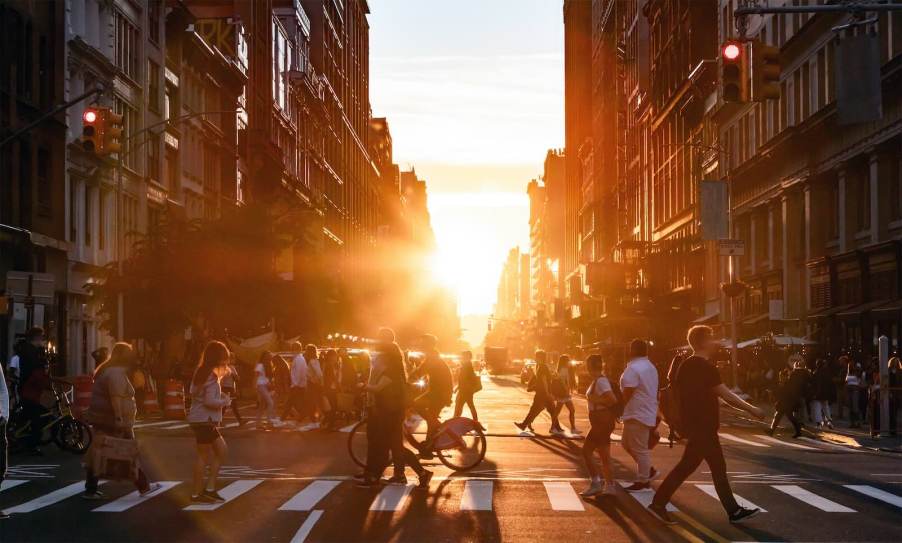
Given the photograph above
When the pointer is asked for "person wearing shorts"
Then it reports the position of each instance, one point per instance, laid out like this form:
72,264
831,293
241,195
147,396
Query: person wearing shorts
601,399
207,403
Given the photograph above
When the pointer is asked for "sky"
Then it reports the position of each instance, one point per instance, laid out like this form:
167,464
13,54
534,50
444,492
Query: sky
473,92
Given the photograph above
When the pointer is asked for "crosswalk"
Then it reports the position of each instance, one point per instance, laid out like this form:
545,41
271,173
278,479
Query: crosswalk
471,495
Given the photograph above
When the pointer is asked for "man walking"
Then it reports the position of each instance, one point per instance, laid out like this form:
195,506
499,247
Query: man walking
791,394
698,387
297,393
639,384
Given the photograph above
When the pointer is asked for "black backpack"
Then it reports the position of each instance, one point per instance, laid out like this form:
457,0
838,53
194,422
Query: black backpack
671,404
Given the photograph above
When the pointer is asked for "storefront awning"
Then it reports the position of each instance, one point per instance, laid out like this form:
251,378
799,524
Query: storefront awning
858,310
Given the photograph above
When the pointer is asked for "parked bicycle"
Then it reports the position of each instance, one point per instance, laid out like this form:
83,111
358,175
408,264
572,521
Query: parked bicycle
58,423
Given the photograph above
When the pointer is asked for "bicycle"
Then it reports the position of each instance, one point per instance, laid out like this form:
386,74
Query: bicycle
69,433
459,442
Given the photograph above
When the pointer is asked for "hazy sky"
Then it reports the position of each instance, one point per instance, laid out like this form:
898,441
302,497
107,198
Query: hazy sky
473,92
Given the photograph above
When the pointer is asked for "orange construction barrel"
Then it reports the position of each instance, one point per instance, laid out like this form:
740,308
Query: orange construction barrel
83,385
151,405
174,400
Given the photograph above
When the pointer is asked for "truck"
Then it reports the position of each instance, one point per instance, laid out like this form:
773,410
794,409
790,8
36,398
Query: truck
496,360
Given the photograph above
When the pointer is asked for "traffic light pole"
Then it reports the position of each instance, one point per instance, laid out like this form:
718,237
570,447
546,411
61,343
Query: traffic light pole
845,7
49,114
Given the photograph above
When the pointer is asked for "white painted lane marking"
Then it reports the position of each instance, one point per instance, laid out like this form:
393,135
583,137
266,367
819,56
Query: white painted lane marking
306,499
301,535
477,496
731,437
785,443
392,498
160,423
711,491
813,499
876,493
645,496
177,426
347,429
562,496
229,492
130,500
56,496
11,483
829,445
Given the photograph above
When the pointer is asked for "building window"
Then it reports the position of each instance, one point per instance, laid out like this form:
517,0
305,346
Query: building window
153,157
88,212
125,40
129,127
863,202
154,14
895,187
153,86
45,201
73,211
833,215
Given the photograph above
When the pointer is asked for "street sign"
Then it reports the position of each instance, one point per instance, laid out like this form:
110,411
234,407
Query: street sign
731,247
714,209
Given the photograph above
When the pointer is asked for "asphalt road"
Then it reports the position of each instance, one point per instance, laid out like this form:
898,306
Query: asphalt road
295,486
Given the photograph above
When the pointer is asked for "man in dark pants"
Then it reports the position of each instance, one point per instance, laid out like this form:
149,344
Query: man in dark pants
698,387
790,395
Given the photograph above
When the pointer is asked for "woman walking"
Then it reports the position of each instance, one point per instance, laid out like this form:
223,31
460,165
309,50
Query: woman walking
263,373
112,413
230,386
854,383
563,387
602,418
540,384
468,384
824,395
207,403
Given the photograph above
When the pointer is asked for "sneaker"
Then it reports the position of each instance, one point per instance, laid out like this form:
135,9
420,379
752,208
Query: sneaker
637,486
830,424
575,431
201,498
93,496
213,495
557,432
368,482
742,513
425,477
595,488
4,515
521,426
660,513
397,480
610,489
152,487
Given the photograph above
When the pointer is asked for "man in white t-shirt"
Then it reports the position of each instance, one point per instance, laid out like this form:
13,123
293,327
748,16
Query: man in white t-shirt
639,384
297,393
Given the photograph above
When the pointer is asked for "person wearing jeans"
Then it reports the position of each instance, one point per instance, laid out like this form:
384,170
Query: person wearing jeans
698,387
639,384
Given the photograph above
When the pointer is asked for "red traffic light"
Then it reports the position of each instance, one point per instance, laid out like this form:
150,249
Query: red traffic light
731,51
90,116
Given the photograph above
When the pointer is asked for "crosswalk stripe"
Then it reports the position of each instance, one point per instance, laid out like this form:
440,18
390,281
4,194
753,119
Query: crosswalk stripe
813,499
392,498
11,483
828,445
646,496
130,500
178,426
160,423
562,496
306,499
229,492
56,496
876,493
731,437
711,491
301,535
785,443
477,496
348,428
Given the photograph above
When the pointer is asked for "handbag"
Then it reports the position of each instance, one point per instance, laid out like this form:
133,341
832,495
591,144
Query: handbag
114,458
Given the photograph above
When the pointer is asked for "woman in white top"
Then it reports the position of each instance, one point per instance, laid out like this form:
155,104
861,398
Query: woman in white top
263,374
207,403
601,398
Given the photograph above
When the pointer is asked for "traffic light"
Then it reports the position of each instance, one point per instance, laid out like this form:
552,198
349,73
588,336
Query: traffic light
733,70
92,130
112,132
765,71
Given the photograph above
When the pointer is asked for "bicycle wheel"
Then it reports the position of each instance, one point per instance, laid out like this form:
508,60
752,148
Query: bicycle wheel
460,444
73,435
357,443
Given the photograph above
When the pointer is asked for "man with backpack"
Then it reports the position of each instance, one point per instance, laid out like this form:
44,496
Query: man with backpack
691,405
639,386
438,392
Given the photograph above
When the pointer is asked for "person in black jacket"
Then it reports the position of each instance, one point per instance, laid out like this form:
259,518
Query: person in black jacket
543,398
791,393
824,394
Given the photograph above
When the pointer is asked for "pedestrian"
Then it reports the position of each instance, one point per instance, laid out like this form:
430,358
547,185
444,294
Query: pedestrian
34,379
297,394
542,400
4,418
639,386
895,392
563,385
602,418
468,384
377,442
874,407
791,394
330,367
824,394
853,389
263,375
316,403
389,393
230,386
348,378
112,413
439,389
207,402
698,387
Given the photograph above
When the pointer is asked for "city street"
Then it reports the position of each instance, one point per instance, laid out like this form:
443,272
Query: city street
296,486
